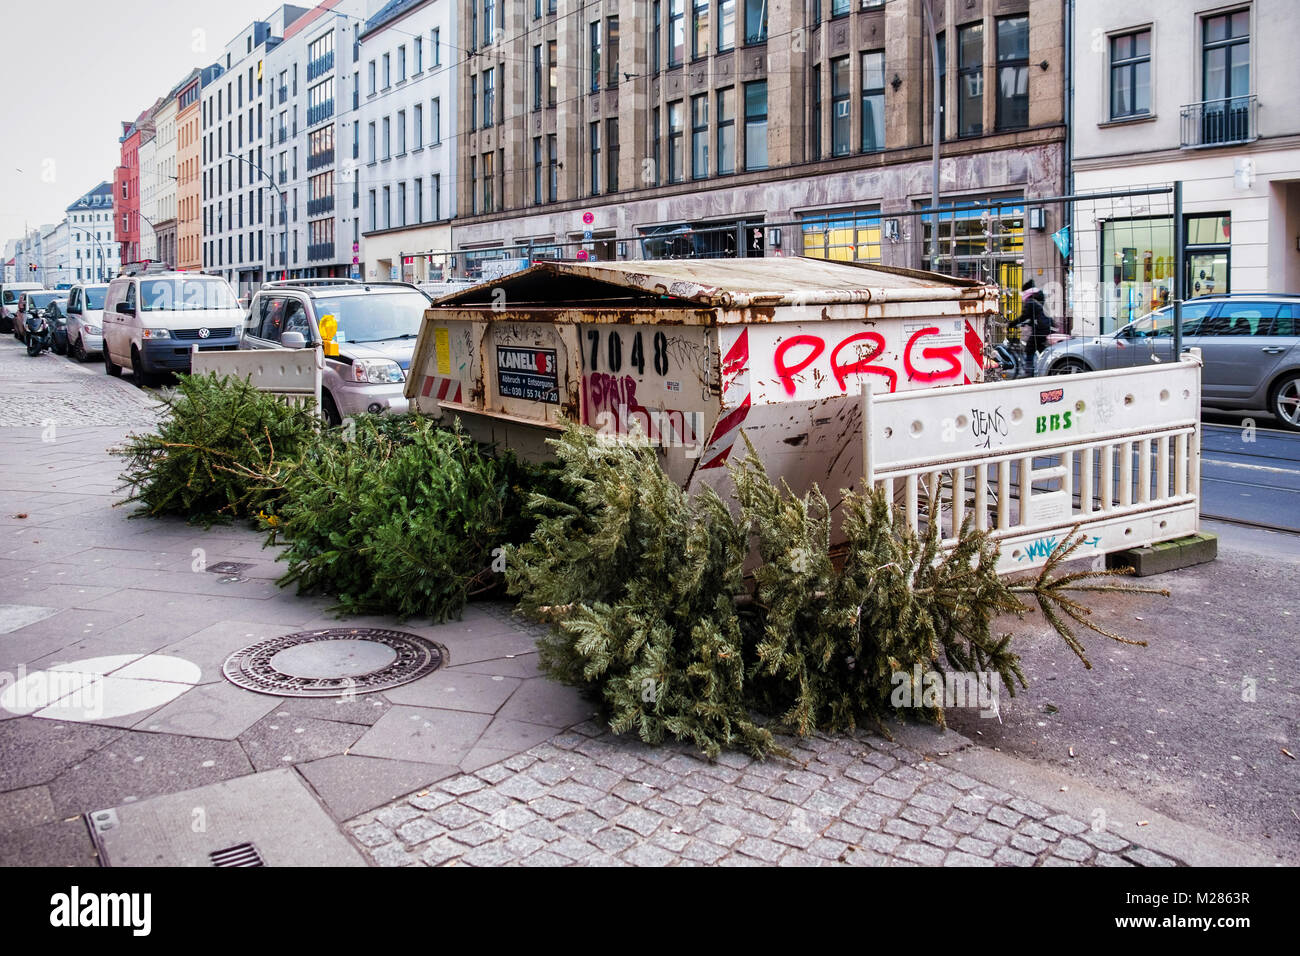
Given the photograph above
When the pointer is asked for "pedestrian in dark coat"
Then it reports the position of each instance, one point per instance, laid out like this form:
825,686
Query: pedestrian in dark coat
1037,323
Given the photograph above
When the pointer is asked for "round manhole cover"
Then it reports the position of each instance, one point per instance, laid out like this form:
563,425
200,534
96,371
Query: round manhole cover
333,662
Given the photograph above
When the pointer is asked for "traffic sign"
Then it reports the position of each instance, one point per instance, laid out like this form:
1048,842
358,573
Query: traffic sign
588,218
586,236
582,255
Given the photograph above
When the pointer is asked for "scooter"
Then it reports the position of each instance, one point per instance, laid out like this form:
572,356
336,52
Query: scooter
39,337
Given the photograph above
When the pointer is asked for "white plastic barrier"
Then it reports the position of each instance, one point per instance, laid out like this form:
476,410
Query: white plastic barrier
292,374
1116,453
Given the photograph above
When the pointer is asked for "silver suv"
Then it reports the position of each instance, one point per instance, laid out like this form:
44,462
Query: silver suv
377,326
1249,342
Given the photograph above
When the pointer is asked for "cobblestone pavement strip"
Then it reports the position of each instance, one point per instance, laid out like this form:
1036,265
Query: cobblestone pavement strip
589,798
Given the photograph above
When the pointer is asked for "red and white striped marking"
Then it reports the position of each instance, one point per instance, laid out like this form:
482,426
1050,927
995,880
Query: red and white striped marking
736,397
975,351
444,388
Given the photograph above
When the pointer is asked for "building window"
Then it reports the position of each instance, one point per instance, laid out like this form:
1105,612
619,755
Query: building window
388,71
553,165
676,31
372,147
370,70
489,96
611,52
970,80
841,110
611,155
435,197
700,136
388,139
388,207
815,146
850,236
401,204
537,77
756,125
593,137
1013,73
437,46
873,101
419,199
699,28
675,135
473,185
419,61
1225,64
435,121
537,153
656,42
1130,74
756,22
594,33
401,63
657,135
401,132
418,128
473,102
553,74
726,119
943,86
839,8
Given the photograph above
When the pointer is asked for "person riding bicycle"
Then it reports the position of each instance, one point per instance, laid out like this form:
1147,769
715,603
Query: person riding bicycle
1038,324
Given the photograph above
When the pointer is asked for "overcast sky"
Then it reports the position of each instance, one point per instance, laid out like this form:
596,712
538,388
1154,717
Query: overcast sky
72,70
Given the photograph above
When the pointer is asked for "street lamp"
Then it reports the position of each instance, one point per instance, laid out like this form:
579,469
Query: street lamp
266,269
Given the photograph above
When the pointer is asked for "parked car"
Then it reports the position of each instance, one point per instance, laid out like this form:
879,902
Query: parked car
44,300
377,326
9,293
85,330
152,319
1250,344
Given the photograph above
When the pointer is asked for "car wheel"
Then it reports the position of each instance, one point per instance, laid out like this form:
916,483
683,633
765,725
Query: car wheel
1286,402
332,416
59,349
142,378
79,350
1069,367
109,367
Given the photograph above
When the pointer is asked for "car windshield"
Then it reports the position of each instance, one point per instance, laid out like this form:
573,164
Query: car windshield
161,295
11,296
95,297
39,300
376,316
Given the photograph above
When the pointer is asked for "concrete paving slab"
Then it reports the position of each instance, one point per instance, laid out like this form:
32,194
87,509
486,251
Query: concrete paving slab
543,701
276,741
423,734
522,666
275,811
28,807
219,710
14,616
66,843
363,709
456,690
512,736
209,646
351,784
140,765
34,752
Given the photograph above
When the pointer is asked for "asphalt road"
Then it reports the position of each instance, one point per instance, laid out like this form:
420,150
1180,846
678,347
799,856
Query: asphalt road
1250,473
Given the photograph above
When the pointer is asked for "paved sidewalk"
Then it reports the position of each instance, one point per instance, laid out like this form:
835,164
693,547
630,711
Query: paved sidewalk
482,762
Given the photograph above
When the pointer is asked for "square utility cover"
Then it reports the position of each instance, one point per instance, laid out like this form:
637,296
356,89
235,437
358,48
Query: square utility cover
273,810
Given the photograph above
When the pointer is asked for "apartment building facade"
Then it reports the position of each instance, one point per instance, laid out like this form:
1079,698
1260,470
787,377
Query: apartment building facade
92,246
126,192
189,161
311,100
402,141
148,215
165,178
237,189
1197,93
648,128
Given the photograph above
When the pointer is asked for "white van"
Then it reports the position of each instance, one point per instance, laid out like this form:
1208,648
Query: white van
9,293
151,321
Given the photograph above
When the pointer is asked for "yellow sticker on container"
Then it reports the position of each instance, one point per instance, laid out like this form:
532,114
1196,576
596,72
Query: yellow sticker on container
442,351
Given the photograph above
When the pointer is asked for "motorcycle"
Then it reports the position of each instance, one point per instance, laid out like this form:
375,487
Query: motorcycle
39,336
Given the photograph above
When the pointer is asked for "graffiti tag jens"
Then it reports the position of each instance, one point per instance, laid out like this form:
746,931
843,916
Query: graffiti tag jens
984,425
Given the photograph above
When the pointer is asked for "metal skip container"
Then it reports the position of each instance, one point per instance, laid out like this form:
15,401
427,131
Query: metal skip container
691,352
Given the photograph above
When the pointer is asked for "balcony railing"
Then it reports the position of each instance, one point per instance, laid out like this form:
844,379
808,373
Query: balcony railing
317,251
320,66
317,160
318,114
1219,122
318,207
